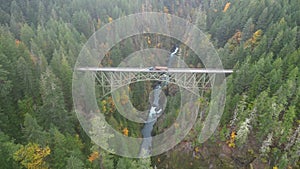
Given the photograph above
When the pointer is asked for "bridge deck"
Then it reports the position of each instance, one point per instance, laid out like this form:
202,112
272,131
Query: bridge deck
144,70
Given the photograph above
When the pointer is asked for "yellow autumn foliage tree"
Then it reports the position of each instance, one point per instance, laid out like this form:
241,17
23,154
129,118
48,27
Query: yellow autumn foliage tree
98,23
32,156
235,40
256,36
231,141
166,10
108,105
226,6
148,40
110,19
253,41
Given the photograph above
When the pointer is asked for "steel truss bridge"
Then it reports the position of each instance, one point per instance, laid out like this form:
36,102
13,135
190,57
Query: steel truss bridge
112,78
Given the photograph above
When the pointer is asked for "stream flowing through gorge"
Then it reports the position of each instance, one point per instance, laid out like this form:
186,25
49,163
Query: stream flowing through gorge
155,110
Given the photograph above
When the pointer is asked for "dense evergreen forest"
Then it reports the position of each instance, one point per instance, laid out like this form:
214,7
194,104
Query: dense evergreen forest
41,40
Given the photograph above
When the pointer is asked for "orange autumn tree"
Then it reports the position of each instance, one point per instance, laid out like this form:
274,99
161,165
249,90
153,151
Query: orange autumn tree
125,131
94,155
17,42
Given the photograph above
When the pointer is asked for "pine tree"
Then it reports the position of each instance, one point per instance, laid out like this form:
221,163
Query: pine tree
27,34
62,70
4,17
82,22
74,163
53,109
33,132
5,83
16,19
45,41
7,147
64,146
124,163
59,151
41,62
41,14
247,30
263,19
25,78
9,52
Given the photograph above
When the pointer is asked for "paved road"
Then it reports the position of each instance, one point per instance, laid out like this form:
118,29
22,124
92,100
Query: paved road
170,70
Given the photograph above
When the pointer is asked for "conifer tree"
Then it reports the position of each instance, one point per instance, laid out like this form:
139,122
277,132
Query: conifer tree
53,109
33,132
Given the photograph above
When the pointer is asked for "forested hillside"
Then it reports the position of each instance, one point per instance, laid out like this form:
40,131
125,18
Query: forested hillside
41,40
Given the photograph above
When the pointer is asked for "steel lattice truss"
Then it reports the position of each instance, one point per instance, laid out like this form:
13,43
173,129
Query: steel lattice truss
110,79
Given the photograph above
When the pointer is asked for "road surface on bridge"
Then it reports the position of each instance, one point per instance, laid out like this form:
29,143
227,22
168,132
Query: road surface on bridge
169,70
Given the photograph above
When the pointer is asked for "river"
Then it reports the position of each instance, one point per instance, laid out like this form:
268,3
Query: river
155,111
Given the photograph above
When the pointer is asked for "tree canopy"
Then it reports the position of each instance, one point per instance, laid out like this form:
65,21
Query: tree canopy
41,40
